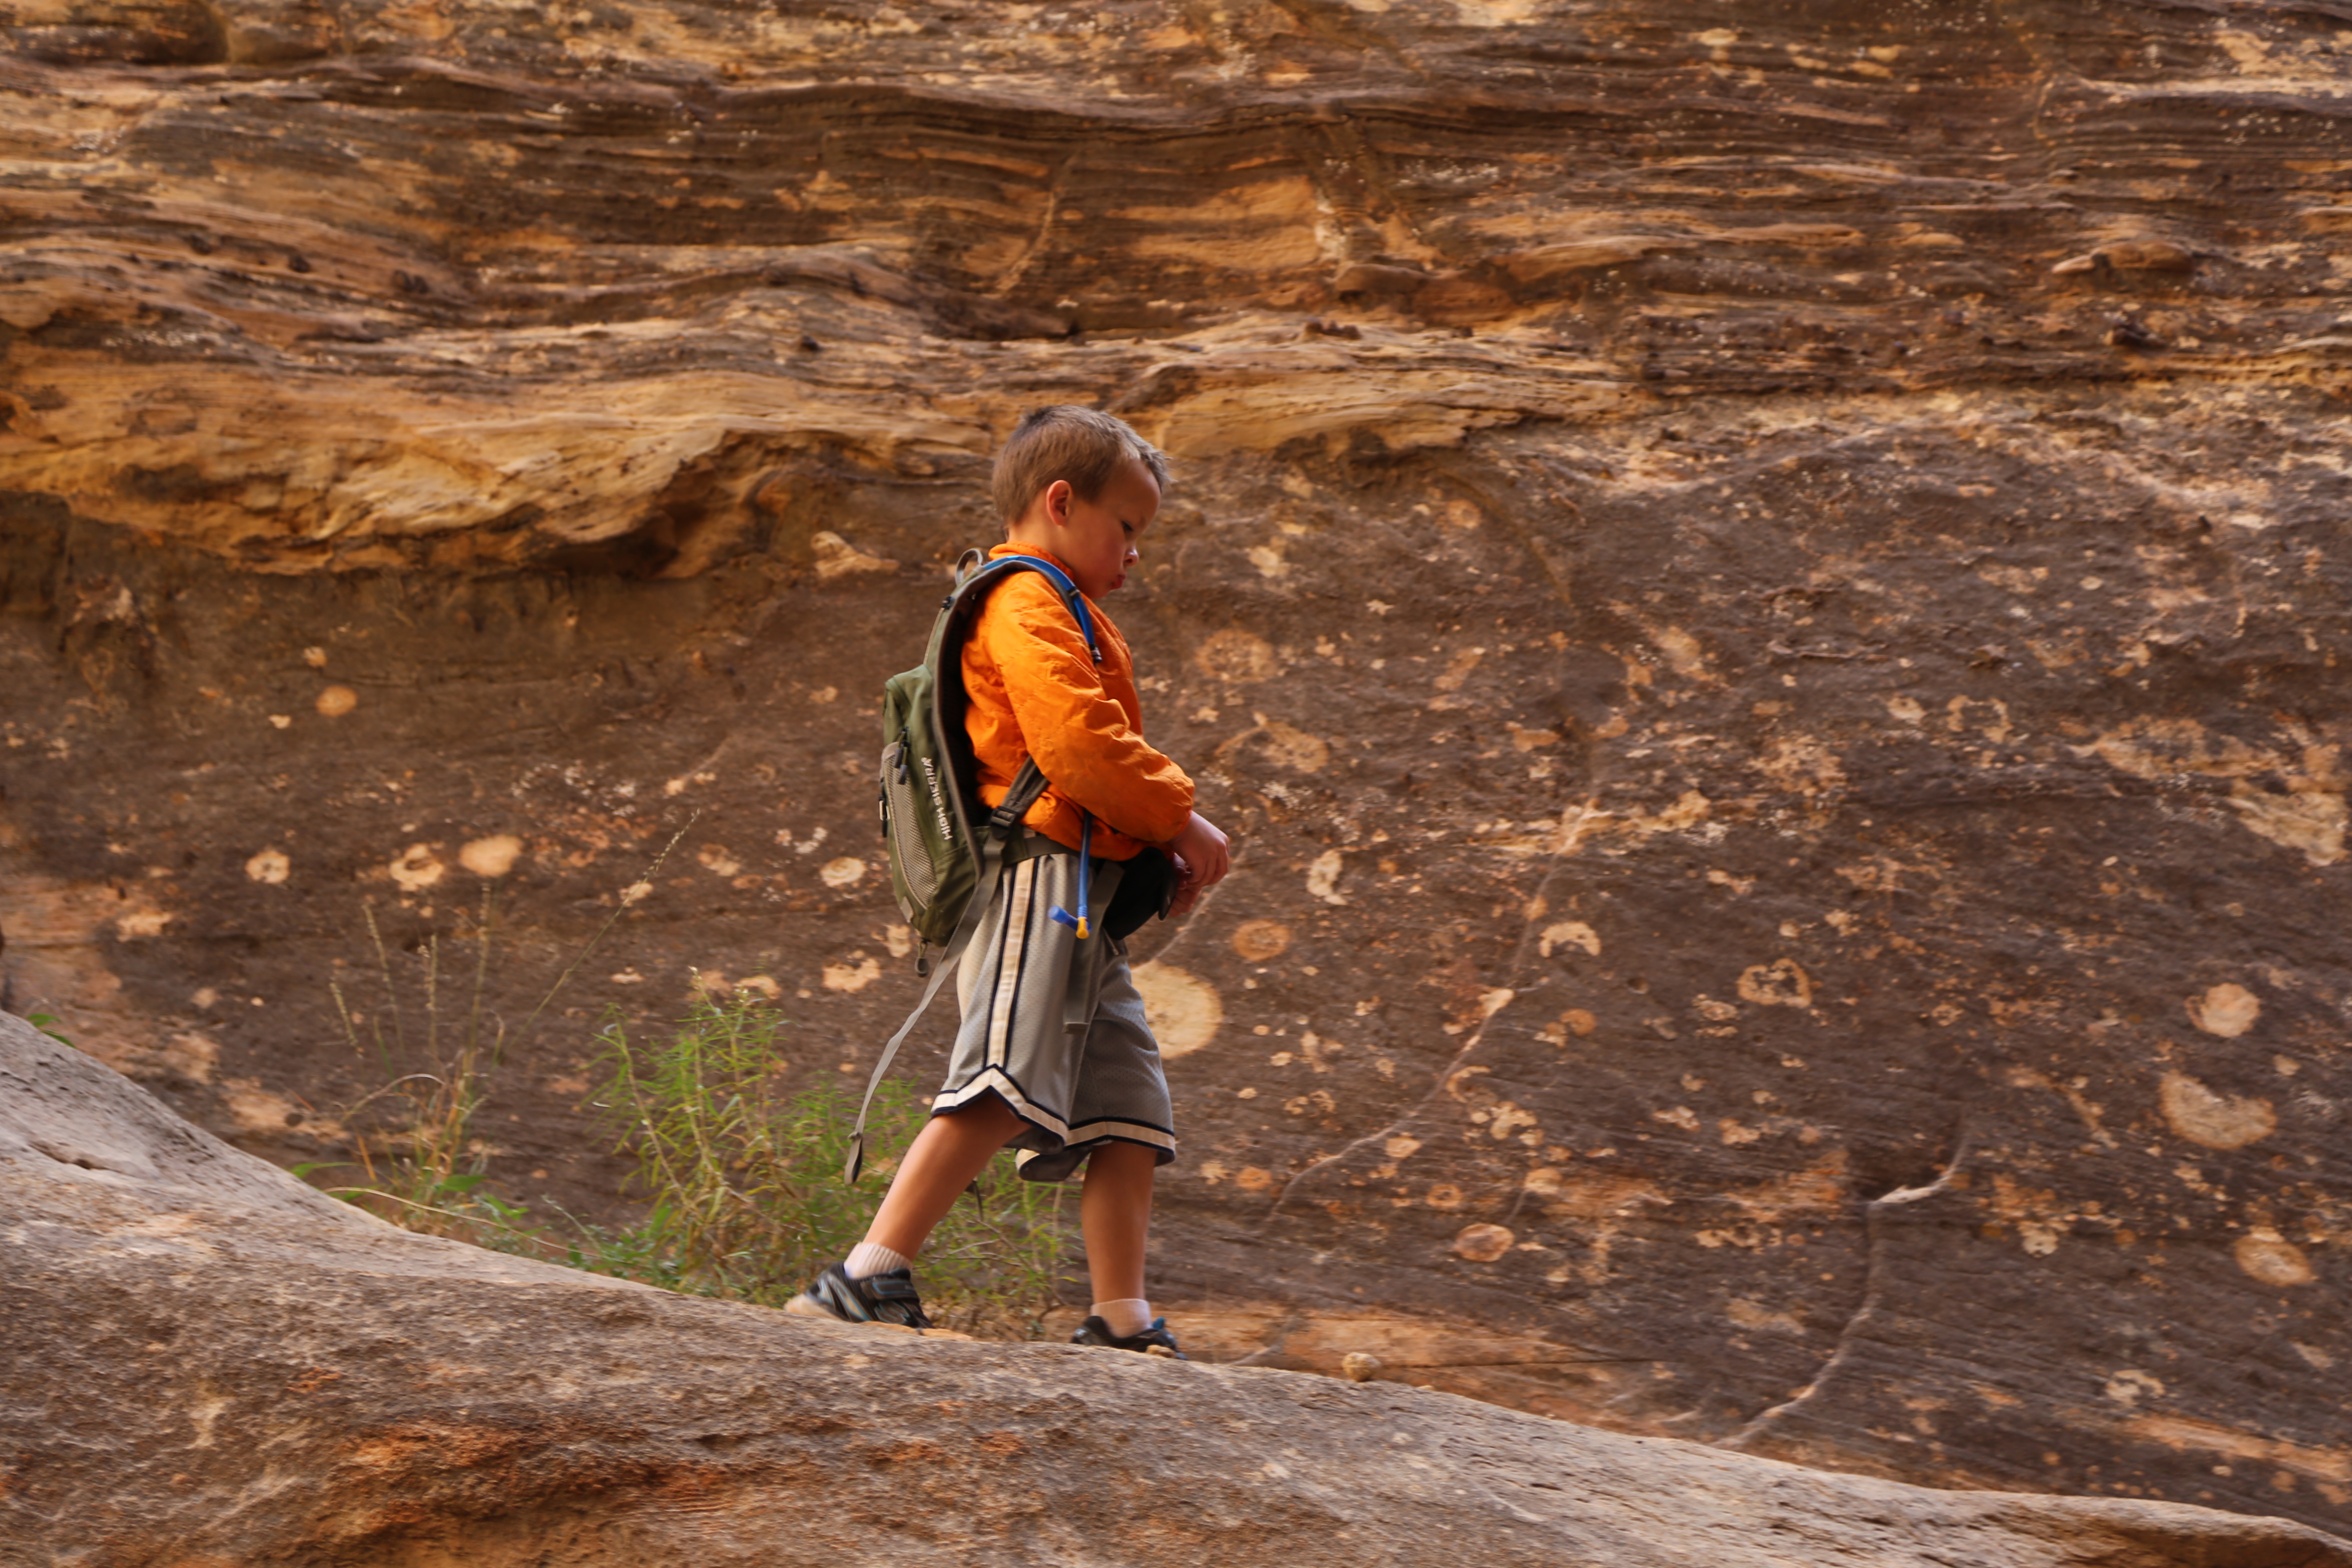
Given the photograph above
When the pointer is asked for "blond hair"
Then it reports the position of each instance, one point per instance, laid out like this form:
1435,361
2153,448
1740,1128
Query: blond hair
1064,441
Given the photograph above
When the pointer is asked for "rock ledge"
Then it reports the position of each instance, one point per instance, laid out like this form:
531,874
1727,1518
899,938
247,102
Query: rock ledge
211,1363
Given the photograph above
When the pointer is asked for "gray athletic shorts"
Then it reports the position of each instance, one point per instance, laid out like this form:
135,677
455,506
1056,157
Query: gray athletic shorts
1054,1025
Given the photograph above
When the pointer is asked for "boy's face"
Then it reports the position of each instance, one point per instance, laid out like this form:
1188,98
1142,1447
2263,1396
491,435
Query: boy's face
1099,537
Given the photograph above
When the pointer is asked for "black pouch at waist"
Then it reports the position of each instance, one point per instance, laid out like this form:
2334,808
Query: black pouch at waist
1147,886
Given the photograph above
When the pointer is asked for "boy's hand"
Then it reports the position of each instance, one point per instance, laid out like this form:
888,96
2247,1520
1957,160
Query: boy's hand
1203,857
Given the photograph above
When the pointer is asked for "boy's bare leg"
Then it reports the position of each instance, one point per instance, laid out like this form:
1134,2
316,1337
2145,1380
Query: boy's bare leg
1114,1213
945,1156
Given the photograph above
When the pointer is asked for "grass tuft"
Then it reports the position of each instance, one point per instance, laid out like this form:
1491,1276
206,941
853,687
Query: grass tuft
736,1154
739,1158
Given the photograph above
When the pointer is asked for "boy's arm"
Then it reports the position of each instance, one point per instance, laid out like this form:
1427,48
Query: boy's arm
1077,731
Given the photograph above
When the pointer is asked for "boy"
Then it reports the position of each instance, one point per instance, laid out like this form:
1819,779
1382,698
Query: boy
1054,1057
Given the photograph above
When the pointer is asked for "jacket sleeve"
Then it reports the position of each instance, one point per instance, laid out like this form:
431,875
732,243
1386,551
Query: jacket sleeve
1081,736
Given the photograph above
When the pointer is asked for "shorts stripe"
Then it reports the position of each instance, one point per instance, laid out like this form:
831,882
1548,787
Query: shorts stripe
1014,949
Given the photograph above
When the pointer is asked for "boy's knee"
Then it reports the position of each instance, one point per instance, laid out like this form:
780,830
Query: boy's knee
982,1110
1117,1157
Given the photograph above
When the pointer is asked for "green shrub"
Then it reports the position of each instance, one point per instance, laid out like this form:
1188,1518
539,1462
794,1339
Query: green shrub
737,1151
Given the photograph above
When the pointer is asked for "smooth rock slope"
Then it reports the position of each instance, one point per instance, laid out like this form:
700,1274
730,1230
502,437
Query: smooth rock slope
208,1362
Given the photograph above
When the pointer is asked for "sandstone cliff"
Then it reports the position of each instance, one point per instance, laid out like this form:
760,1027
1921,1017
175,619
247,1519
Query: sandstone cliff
1762,591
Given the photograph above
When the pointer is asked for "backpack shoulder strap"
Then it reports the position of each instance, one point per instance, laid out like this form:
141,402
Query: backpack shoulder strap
1062,583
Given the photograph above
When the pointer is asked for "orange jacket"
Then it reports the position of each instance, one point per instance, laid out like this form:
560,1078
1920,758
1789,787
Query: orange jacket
1035,691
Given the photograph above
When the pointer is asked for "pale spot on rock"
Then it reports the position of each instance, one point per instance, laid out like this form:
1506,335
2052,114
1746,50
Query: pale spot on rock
1280,744
270,866
1293,748
845,872
1570,933
1482,1243
2312,821
142,922
714,859
1458,669
492,856
1801,764
2129,1386
255,1109
189,1055
2270,1258
1259,941
1575,1021
2215,1121
1182,1008
1755,1315
1235,656
764,986
1683,652
417,869
1507,1120
1323,877
337,700
854,974
1444,1195
836,556
1400,1147
1251,1179
1780,983
2225,1010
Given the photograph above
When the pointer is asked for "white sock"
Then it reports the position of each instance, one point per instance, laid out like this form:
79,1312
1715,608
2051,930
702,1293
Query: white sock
1126,1319
867,1259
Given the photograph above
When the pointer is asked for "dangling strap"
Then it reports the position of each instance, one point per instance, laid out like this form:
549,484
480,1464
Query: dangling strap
1027,785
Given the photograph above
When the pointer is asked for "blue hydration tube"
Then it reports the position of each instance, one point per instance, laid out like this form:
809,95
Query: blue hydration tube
1061,916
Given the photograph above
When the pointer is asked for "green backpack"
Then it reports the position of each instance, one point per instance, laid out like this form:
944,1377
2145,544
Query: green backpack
944,854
